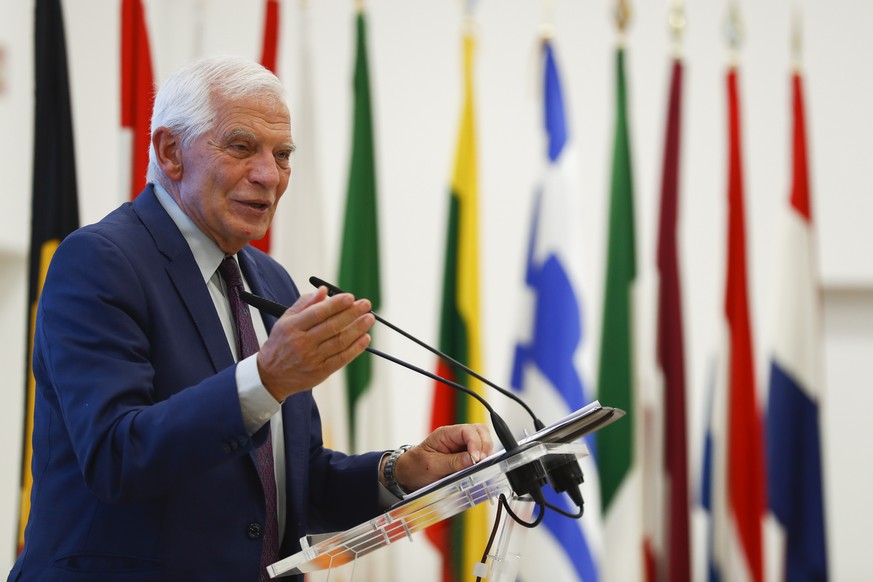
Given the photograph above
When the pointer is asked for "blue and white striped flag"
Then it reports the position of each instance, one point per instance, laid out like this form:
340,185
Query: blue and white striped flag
546,368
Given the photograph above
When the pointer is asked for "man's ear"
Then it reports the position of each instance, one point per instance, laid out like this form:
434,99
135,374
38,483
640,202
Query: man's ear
168,152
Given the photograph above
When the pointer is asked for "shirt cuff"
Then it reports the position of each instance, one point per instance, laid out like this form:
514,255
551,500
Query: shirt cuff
256,403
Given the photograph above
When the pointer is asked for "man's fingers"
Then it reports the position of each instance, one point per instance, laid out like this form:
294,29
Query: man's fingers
486,444
475,439
308,299
339,334
349,353
328,316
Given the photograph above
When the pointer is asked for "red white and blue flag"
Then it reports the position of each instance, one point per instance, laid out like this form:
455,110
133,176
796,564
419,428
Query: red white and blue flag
795,389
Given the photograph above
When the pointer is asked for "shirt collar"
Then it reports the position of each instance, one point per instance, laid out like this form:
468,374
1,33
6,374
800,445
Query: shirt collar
206,253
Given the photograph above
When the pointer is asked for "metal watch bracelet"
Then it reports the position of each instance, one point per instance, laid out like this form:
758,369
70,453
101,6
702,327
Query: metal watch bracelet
390,481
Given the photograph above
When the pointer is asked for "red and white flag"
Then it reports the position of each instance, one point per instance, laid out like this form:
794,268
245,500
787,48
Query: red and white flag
666,541
734,477
137,96
269,56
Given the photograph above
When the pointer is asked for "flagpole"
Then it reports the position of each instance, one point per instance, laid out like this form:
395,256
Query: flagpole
734,32
623,15
676,22
547,22
796,38
199,27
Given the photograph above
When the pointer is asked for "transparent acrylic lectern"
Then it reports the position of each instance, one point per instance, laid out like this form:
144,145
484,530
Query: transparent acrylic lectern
485,481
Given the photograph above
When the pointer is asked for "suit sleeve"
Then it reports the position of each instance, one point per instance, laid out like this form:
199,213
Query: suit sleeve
99,334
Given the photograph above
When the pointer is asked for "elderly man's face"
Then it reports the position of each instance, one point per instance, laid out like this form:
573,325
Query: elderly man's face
233,176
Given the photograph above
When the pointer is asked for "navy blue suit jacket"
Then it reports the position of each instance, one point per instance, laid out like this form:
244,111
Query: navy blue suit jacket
140,457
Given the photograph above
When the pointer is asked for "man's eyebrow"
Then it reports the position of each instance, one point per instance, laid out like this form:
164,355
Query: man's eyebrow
236,133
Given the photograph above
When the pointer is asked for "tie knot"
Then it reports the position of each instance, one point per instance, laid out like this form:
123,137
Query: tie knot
230,272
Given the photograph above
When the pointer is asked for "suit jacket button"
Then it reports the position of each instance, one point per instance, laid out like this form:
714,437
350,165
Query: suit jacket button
254,530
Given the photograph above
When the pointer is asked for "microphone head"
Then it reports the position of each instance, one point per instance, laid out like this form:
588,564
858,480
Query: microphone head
331,289
263,304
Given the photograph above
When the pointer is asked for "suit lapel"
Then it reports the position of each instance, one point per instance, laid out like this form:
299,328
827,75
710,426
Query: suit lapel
185,276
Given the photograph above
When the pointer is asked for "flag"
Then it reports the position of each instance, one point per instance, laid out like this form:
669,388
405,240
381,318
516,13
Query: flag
54,212
137,95
793,428
359,260
269,50
270,43
734,486
621,494
668,547
461,539
299,240
546,364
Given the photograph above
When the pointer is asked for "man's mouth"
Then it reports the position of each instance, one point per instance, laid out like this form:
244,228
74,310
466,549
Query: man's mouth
255,205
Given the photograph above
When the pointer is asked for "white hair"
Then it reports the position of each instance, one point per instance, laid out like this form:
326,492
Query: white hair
185,102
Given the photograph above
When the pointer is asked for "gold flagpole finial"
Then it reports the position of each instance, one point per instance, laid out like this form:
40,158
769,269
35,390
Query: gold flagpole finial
547,24
622,18
796,37
468,6
676,21
734,31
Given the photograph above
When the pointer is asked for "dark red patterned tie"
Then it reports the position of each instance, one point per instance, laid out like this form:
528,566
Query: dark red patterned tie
247,344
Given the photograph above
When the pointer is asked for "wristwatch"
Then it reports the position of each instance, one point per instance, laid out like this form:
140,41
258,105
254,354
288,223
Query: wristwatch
390,481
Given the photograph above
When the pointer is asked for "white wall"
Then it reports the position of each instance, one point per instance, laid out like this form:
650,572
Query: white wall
415,68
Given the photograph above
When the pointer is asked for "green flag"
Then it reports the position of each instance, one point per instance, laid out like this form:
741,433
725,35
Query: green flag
615,378
359,261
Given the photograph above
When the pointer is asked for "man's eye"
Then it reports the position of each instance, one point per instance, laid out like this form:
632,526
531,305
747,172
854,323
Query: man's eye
283,157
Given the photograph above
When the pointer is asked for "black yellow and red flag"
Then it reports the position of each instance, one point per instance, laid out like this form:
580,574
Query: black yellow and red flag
55,208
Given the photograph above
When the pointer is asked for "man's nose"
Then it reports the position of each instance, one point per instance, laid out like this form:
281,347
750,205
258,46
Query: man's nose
265,169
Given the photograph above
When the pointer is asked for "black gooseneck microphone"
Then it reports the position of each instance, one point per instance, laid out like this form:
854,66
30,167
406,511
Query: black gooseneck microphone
500,426
333,290
564,472
527,479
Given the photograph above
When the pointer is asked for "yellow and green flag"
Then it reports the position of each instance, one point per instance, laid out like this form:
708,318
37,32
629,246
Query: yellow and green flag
461,539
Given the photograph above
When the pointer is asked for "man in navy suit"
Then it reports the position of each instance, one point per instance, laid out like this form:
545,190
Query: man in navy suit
146,413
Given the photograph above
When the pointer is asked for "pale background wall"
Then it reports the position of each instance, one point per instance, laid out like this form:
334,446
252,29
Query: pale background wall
415,79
